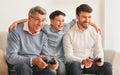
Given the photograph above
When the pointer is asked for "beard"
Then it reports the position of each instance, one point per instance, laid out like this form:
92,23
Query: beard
84,24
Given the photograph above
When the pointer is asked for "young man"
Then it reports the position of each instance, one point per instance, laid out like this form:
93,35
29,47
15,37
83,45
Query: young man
55,32
27,46
82,45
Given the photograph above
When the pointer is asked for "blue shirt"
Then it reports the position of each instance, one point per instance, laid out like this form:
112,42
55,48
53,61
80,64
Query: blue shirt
55,39
22,46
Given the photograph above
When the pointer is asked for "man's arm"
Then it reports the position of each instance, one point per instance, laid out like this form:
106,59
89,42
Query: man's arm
12,50
98,50
15,23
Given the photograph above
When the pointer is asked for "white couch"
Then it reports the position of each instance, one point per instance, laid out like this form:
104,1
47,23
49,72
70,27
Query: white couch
110,55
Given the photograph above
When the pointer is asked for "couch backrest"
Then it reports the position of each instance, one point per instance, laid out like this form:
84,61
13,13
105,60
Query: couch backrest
3,38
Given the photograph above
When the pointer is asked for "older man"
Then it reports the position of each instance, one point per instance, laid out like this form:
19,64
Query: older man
27,46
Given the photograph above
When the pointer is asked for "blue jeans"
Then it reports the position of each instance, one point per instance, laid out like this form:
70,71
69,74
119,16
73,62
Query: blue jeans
24,69
74,68
61,69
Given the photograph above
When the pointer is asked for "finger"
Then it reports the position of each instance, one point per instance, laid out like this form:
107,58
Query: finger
89,59
15,26
9,29
43,56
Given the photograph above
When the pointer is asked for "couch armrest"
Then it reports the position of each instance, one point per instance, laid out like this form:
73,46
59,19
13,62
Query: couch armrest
116,63
109,55
3,64
113,56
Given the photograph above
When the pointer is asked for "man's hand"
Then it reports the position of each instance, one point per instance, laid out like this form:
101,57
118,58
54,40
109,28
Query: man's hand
100,63
38,61
87,62
54,66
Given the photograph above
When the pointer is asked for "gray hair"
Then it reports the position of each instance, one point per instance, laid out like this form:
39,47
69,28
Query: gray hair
38,9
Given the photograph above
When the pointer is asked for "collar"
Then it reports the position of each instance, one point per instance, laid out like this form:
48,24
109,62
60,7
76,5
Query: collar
77,28
25,28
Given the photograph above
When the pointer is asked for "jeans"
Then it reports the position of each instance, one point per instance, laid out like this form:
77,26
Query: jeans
74,68
61,69
24,69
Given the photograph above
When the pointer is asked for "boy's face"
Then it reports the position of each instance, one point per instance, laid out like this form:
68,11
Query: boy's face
58,22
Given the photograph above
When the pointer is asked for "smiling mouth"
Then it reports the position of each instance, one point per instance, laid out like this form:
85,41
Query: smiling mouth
60,26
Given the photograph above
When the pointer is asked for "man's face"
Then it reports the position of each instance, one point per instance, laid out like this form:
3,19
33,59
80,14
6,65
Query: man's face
84,19
58,22
36,22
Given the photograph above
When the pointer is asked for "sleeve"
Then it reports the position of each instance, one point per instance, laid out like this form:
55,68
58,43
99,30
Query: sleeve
45,28
45,49
12,50
98,50
68,49
70,24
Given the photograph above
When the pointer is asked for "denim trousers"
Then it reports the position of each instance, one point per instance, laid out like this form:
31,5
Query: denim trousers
24,69
74,68
61,68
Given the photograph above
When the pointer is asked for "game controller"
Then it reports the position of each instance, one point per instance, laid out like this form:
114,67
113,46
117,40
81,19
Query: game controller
51,61
97,59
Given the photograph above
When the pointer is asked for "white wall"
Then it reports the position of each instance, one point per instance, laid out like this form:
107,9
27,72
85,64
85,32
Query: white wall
112,24
11,10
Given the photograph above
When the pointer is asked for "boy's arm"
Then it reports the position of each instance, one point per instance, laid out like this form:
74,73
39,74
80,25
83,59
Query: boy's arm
74,21
15,23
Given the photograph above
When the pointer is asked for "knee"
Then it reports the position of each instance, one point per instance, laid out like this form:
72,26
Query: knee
51,72
75,64
107,64
61,69
22,67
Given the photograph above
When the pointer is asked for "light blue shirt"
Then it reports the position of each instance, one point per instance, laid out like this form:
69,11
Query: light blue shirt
55,39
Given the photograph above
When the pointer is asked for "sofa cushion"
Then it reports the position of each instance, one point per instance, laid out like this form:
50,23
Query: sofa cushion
3,38
3,64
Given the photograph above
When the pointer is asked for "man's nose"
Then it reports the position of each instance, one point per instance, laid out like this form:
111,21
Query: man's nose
87,20
40,24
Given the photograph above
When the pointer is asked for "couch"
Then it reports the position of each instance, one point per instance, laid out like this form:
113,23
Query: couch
110,55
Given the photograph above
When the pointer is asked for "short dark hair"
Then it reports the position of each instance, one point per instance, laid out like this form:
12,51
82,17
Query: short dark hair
84,8
56,13
38,9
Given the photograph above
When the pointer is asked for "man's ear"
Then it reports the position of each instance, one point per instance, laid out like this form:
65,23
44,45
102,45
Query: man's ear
77,17
51,21
29,18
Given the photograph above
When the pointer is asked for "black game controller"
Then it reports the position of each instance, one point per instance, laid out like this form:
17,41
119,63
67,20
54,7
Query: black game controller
52,61
97,59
